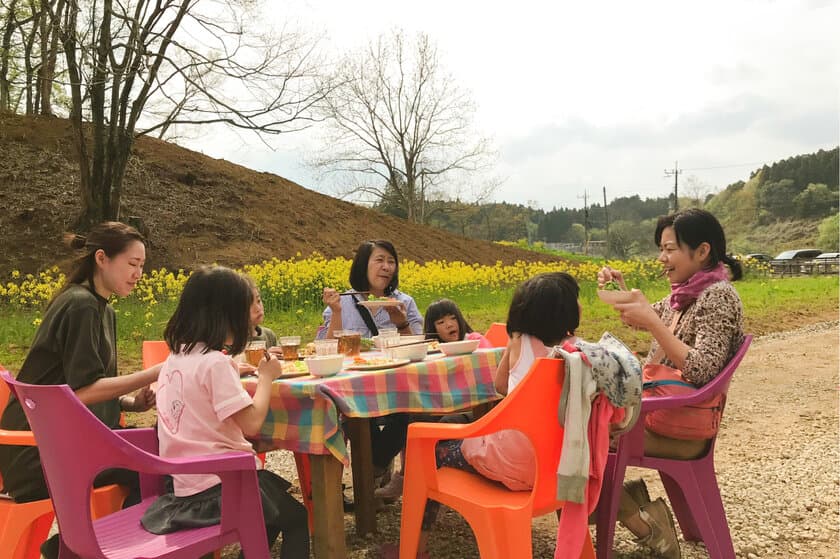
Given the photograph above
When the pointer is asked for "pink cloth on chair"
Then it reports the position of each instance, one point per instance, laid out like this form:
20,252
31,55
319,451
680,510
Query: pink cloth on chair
573,519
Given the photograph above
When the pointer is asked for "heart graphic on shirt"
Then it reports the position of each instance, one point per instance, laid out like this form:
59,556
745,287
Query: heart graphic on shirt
171,394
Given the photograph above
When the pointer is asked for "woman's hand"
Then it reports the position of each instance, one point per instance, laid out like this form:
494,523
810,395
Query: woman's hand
332,299
246,369
398,315
143,400
607,274
637,313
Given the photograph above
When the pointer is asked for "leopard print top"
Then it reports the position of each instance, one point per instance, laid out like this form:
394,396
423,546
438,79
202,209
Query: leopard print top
712,326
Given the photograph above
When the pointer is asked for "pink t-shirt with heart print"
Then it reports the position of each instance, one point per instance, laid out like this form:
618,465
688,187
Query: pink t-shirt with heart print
197,395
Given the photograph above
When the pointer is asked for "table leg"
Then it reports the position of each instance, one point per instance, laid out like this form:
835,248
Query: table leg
361,455
328,538
481,409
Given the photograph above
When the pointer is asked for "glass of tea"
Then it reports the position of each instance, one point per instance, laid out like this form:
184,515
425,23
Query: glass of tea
254,352
290,346
349,342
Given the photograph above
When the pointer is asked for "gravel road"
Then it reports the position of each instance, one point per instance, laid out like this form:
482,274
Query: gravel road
777,463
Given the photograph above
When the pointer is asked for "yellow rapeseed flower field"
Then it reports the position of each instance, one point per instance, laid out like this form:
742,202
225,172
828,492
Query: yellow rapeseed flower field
297,283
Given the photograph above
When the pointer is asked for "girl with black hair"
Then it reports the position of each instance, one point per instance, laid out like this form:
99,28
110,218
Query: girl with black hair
445,321
375,271
203,409
696,329
544,313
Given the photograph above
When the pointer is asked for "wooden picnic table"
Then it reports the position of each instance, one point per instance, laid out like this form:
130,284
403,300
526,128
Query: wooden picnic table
311,416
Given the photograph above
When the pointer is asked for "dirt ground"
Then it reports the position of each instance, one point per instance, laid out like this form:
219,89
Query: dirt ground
196,209
776,459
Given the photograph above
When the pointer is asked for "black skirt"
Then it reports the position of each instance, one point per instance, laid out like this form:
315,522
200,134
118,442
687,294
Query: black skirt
170,513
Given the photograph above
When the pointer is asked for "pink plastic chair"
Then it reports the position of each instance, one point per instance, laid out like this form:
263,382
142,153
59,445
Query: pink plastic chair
691,484
75,446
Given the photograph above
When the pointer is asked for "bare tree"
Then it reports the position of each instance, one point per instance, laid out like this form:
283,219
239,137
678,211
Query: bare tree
202,58
28,49
9,23
696,190
398,124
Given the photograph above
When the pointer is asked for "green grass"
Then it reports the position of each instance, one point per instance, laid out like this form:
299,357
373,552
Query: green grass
769,305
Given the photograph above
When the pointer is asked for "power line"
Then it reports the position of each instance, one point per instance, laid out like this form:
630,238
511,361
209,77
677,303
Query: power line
725,166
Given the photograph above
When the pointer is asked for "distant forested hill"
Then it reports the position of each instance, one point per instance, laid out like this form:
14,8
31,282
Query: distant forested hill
781,206
804,186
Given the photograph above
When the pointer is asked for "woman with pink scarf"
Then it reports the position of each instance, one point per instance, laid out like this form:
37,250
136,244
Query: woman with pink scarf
696,329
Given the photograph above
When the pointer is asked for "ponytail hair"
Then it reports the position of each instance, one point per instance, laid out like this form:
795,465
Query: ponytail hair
112,237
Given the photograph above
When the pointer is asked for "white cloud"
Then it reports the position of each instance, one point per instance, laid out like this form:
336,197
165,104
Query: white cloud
580,95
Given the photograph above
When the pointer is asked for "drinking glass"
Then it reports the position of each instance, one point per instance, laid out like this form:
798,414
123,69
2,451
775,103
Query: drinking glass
254,352
388,337
349,342
290,346
326,347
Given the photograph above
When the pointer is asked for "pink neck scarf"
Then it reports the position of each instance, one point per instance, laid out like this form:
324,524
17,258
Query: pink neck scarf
685,293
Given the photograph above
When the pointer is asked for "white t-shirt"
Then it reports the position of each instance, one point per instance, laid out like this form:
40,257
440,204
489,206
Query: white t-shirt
197,396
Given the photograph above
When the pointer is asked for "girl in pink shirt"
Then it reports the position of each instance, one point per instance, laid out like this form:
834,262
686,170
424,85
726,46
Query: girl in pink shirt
203,409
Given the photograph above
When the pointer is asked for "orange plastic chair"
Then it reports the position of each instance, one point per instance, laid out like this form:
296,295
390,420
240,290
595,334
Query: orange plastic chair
500,518
497,334
154,352
25,526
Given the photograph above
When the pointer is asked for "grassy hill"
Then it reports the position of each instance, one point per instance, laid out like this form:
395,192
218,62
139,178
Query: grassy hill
197,209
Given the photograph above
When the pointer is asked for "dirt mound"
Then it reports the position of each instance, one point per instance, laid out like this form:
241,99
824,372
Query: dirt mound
196,209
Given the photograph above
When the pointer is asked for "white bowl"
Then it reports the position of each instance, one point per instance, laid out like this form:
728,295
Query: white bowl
324,365
459,348
612,297
416,352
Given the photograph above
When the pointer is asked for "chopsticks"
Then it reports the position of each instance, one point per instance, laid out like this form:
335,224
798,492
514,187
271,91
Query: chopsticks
409,343
354,293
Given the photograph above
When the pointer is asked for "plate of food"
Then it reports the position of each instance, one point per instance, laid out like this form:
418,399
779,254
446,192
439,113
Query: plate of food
294,368
377,303
374,363
434,347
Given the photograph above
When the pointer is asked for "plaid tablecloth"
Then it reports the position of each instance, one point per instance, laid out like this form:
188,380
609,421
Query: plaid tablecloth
304,412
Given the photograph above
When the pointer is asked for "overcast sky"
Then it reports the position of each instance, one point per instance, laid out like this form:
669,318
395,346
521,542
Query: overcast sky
583,95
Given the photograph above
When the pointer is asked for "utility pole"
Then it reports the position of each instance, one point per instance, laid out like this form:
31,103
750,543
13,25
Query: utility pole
607,220
676,172
585,224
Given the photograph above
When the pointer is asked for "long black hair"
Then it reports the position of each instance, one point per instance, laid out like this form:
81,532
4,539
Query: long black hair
215,304
441,308
546,307
693,226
